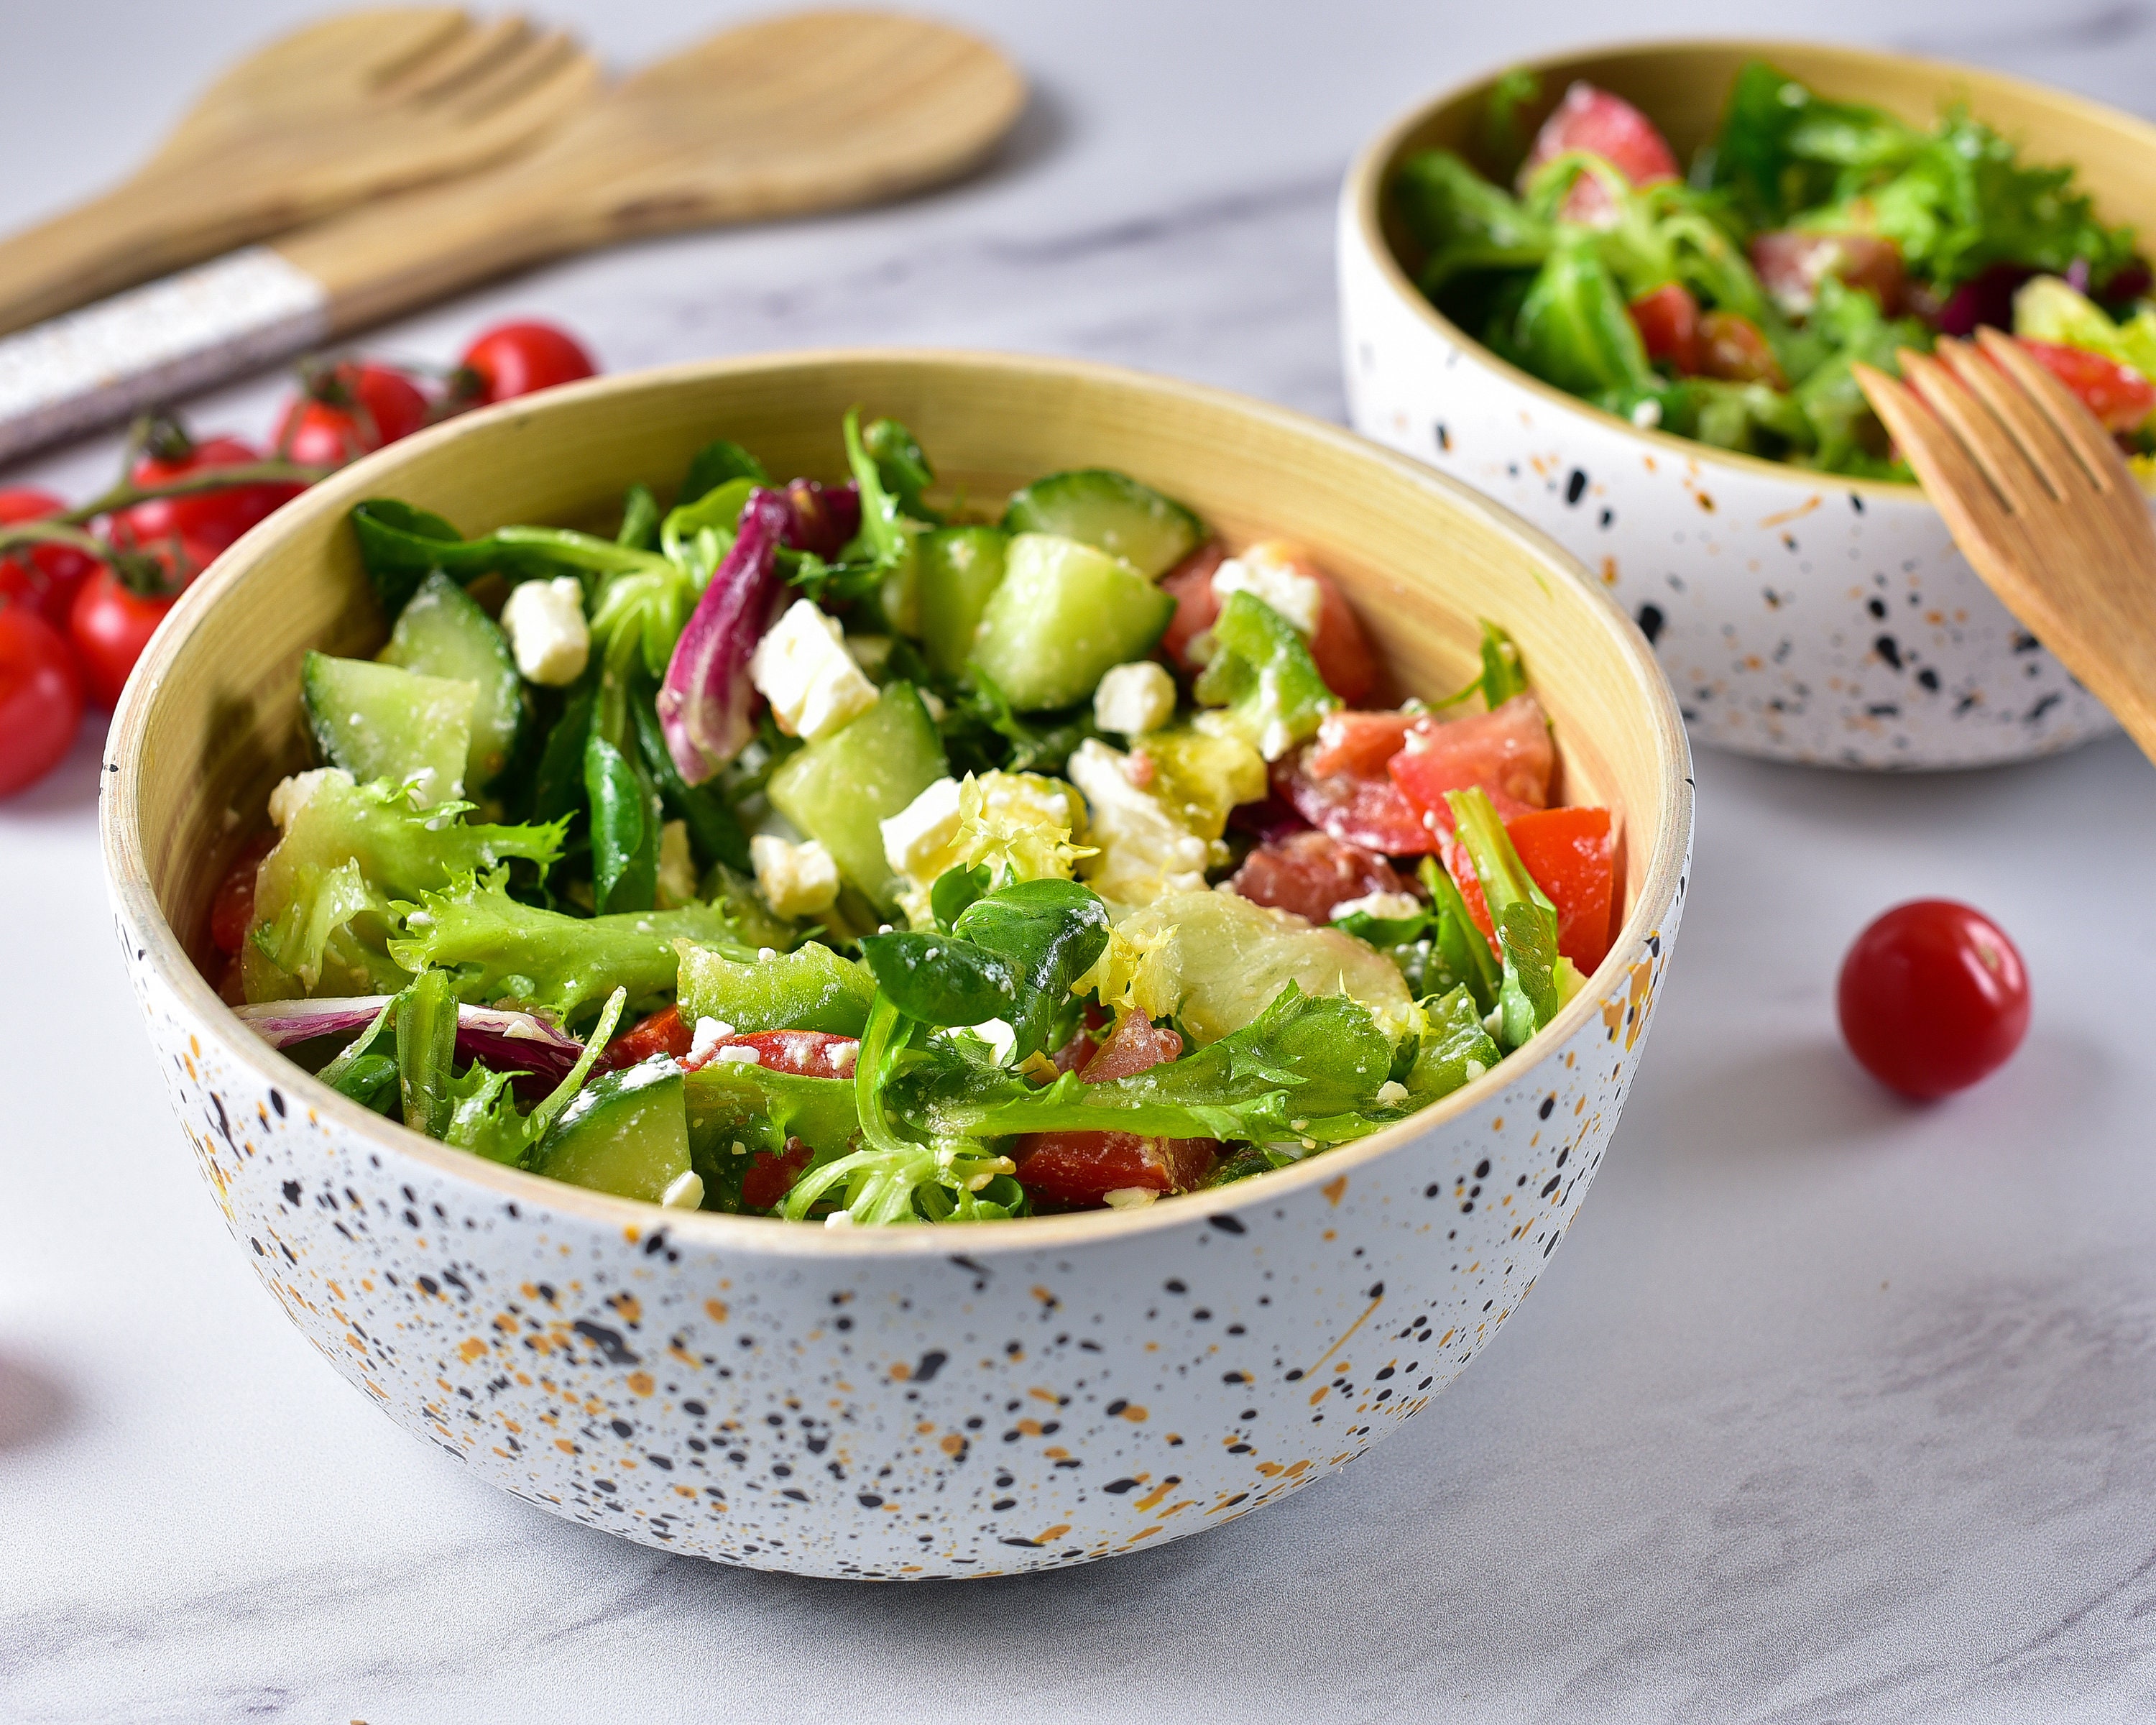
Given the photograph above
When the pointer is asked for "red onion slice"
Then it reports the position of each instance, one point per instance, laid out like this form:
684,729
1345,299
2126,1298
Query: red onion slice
506,1040
705,699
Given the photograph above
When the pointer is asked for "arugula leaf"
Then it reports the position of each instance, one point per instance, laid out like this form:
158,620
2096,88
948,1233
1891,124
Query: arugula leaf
639,519
1528,995
714,830
1467,959
624,812
369,1079
400,545
1573,329
426,1052
1455,1048
1463,224
1503,137
903,467
714,465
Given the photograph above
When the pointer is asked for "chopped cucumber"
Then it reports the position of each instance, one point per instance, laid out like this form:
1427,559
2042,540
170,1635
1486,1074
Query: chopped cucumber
379,721
627,1133
1063,614
960,567
442,632
810,988
1113,512
843,785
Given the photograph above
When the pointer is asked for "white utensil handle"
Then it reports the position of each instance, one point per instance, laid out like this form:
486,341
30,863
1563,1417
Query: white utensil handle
153,345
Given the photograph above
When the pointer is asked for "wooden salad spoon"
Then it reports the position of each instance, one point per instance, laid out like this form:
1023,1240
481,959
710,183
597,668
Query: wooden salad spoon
361,104
810,111
2042,504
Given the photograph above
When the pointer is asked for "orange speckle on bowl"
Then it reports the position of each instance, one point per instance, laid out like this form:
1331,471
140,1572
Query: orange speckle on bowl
1133,1413
470,1349
1031,1428
632,1233
952,1443
1045,1395
1609,571
900,1371
642,1382
716,1310
1335,1190
1054,1532
1158,1494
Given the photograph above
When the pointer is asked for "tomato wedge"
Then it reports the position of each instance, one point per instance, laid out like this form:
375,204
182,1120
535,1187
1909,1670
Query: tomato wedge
1080,1169
1602,125
1309,873
1792,264
805,1054
662,1033
231,906
770,1175
1569,852
1506,752
1734,349
1668,322
1340,648
1362,808
2120,398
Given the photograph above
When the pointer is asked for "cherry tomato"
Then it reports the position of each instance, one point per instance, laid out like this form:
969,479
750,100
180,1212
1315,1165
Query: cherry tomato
1792,263
351,410
231,905
1732,348
1932,997
1340,649
1602,125
661,1033
1079,1169
770,1176
1309,873
1668,322
1569,854
1506,752
46,577
2120,398
514,359
109,626
211,519
40,697
1189,584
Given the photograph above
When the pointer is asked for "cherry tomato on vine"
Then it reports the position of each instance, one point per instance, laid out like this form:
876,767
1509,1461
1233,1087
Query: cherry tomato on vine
111,624
514,359
40,697
1932,997
46,578
213,519
349,411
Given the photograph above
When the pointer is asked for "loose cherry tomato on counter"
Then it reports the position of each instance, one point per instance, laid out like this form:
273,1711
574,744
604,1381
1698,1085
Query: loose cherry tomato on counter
111,624
514,359
211,519
1932,998
349,410
46,578
40,697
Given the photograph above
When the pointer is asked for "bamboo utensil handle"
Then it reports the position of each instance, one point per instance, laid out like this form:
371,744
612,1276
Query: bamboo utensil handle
811,111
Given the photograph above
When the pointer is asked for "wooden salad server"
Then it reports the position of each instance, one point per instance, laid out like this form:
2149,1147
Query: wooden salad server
361,105
2042,504
810,111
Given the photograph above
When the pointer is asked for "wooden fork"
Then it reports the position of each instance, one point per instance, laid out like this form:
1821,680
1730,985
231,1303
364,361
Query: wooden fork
331,115
2042,504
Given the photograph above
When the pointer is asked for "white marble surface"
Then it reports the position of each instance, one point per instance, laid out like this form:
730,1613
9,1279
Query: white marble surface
1831,1410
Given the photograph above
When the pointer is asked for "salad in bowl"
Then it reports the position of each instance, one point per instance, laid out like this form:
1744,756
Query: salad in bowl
1726,300
870,853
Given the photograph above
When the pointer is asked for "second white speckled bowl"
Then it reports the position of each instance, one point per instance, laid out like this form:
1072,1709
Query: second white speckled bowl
1800,617
909,1401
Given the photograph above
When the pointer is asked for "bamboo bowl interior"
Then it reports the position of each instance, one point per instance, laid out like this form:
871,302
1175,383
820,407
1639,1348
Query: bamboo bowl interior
212,720
1683,87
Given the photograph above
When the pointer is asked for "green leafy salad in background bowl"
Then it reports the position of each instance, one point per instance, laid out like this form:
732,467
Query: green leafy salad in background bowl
1726,301
864,854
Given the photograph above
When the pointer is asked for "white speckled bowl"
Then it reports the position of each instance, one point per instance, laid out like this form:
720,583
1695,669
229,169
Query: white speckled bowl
1800,617
961,1401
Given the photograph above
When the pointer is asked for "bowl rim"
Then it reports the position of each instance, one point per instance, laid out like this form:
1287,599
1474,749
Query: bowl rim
1362,192
161,949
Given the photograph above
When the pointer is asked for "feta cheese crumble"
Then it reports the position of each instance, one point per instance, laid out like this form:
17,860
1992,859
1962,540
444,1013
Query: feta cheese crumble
921,831
686,1193
1392,1093
545,622
1388,906
1133,699
795,880
1267,573
801,666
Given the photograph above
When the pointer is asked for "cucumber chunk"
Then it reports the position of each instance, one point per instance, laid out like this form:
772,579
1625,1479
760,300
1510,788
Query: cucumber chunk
810,988
1112,512
627,1133
1063,614
960,567
442,632
379,721
843,785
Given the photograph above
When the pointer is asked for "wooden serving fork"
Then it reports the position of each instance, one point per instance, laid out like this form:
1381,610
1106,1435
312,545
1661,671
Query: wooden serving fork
2042,504
329,117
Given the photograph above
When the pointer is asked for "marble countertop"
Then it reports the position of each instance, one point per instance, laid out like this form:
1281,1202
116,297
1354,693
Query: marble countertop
1831,1410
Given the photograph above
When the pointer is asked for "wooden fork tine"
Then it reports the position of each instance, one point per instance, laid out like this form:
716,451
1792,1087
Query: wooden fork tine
2012,476
1942,463
471,55
411,57
2097,455
518,75
2054,459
